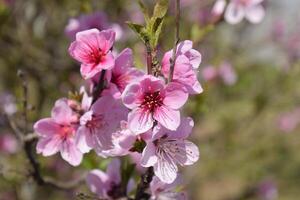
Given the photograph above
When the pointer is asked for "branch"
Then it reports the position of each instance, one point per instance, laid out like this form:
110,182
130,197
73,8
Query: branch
99,87
144,184
149,57
28,140
176,40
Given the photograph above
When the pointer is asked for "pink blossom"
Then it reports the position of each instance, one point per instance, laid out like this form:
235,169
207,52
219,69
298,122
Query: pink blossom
289,121
96,20
183,74
8,143
149,99
93,49
165,191
218,9
227,73
99,123
267,190
123,73
107,184
57,134
169,148
252,10
184,48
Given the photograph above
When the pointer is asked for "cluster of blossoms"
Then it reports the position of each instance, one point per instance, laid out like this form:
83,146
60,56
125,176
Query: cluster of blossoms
121,108
237,10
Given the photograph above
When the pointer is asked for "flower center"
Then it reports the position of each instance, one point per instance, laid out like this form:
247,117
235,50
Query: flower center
120,80
96,122
152,101
66,131
97,56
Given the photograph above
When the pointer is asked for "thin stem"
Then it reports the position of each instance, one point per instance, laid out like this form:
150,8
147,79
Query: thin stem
99,87
144,184
149,58
23,77
176,40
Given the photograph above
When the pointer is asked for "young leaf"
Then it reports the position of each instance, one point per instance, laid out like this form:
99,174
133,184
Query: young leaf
160,9
140,30
144,10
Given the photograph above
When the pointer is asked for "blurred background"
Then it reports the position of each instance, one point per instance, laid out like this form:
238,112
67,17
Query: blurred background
246,119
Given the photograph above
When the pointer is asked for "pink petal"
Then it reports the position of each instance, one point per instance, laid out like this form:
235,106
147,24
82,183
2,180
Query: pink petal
81,140
49,146
61,112
140,121
234,13
192,153
98,182
165,170
184,129
194,57
151,84
113,171
123,61
70,152
255,14
175,96
149,157
167,117
46,127
131,95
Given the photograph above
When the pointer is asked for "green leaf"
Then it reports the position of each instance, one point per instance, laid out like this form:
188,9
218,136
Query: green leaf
140,30
160,9
144,11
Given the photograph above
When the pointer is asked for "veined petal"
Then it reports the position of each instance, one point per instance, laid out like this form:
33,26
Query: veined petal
148,156
165,170
167,117
70,153
46,127
81,140
61,112
49,146
140,120
175,95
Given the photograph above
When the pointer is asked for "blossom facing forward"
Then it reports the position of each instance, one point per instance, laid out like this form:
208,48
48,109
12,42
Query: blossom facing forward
149,100
252,10
99,123
169,148
57,134
92,49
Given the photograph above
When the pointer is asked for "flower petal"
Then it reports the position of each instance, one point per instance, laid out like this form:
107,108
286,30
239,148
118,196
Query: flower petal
61,112
140,121
167,117
98,182
49,146
70,152
81,141
113,171
175,96
255,14
234,13
166,170
148,156
46,127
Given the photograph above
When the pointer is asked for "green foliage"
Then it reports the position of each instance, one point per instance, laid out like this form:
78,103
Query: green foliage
150,32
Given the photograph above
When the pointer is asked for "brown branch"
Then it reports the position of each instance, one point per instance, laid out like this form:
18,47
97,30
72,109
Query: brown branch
149,57
144,184
99,87
176,40
28,140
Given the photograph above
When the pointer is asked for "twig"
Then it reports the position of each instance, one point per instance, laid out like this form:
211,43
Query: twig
22,76
144,184
28,140
149,57
99,87
176,40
